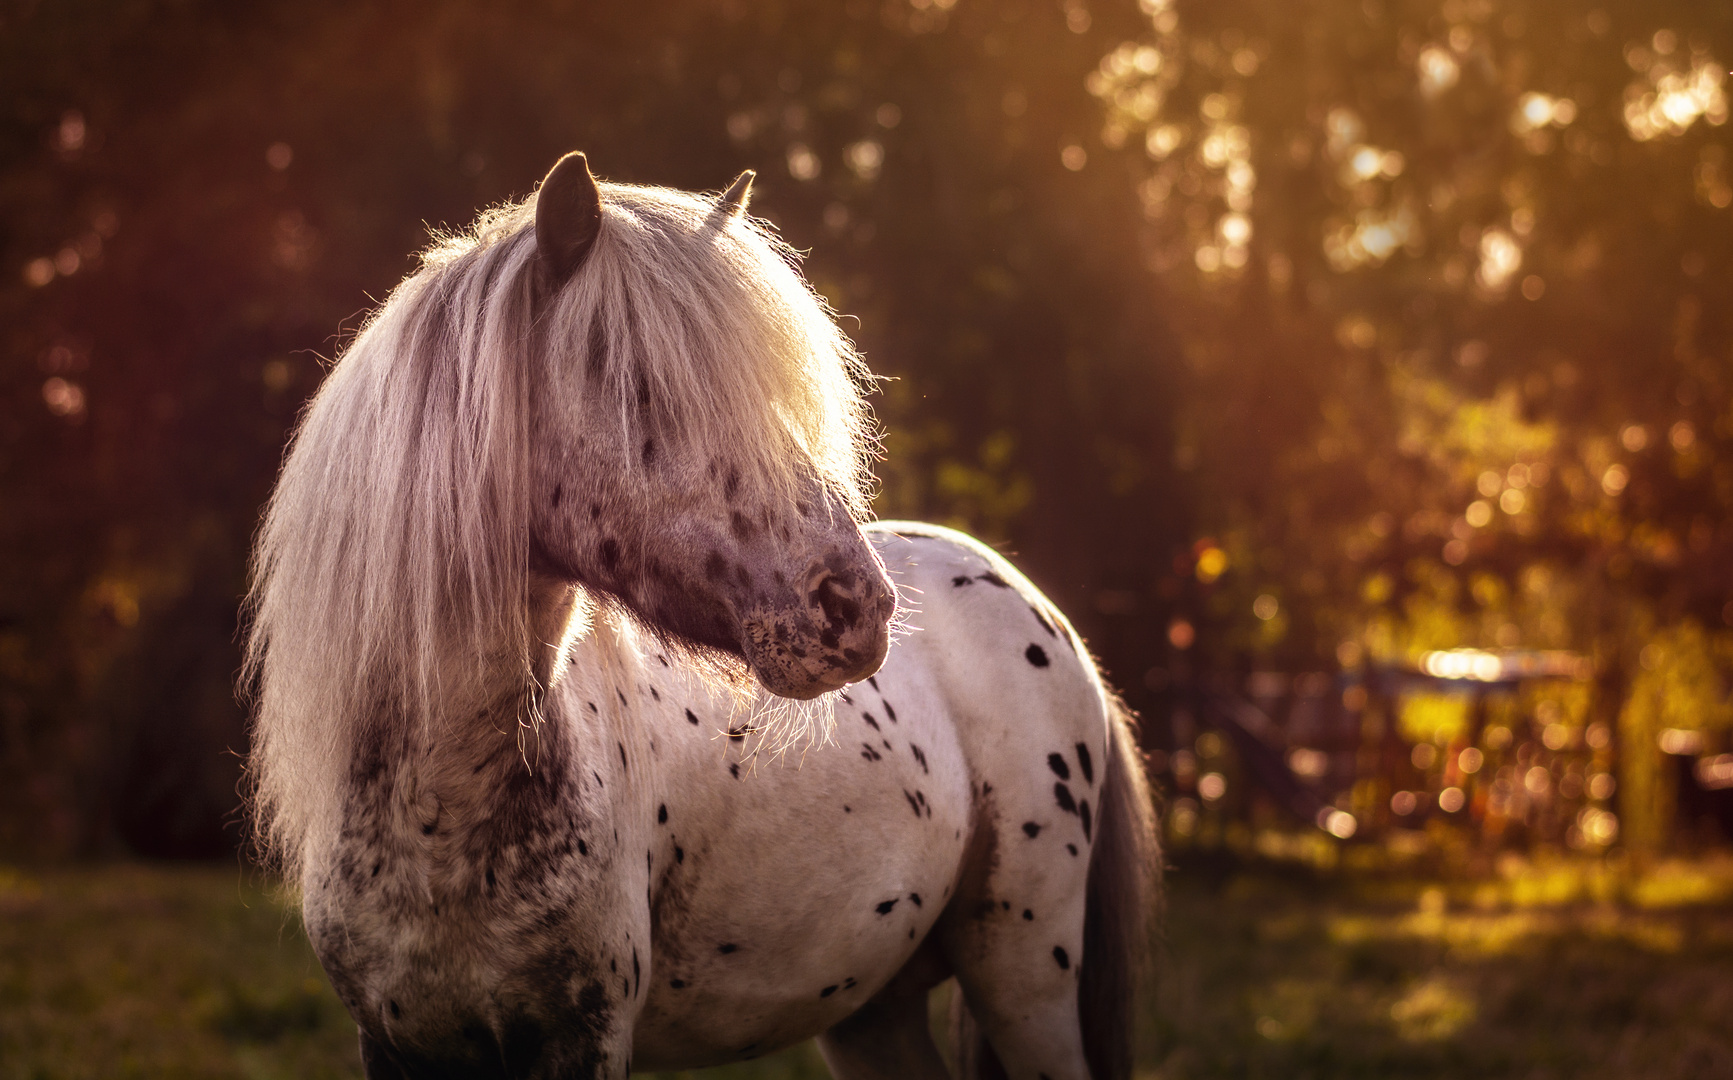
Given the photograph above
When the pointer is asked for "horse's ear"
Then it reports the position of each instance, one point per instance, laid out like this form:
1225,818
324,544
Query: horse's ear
734,200
568,217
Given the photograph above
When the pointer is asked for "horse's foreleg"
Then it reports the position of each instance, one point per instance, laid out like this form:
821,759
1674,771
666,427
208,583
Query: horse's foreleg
887,1039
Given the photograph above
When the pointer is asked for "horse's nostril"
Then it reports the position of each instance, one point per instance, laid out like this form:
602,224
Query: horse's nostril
841,607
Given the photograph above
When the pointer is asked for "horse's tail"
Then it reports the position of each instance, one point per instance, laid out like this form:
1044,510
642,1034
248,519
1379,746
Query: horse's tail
1123,893
1124,889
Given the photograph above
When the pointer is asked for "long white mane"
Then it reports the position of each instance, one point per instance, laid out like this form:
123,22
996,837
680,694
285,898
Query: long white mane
391,568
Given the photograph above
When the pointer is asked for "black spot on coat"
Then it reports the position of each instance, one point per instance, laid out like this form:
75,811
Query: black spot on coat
1062,795
1084,763
1036,655
1031,829
1060,957
885,907
1060,769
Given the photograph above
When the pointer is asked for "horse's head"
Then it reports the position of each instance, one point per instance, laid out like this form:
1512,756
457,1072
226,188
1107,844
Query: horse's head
698,433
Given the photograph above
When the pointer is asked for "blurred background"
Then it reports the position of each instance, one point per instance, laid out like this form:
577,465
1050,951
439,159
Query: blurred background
1357,374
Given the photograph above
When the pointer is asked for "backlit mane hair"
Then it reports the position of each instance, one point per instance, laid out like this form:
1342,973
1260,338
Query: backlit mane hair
392,564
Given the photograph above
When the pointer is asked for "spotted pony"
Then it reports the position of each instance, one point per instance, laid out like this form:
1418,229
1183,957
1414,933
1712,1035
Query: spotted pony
578,720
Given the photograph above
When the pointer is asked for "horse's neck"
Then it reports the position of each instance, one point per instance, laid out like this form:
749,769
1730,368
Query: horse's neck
492,715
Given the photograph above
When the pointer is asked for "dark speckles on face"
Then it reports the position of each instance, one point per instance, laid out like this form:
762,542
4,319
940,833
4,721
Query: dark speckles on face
994,579
1084,763
662,814
727,947
1061,958
1036,655
1031,829
690,718
885,907
961,580
827,991
1056,762
1083,811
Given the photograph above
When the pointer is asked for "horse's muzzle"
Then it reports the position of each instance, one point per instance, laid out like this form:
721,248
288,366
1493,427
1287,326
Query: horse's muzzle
837,633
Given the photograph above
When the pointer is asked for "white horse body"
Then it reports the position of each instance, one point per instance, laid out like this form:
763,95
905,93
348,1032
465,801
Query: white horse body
777,892
582,848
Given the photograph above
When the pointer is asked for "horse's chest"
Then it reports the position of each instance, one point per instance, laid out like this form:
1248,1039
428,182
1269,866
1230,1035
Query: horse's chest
800,886
509,927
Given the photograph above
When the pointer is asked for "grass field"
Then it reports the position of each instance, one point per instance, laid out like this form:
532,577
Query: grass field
181,971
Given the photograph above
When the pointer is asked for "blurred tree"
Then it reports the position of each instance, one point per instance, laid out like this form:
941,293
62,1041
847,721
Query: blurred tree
1446,277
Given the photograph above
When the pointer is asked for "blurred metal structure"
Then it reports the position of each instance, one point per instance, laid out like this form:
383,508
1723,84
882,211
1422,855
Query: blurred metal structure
1270,748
